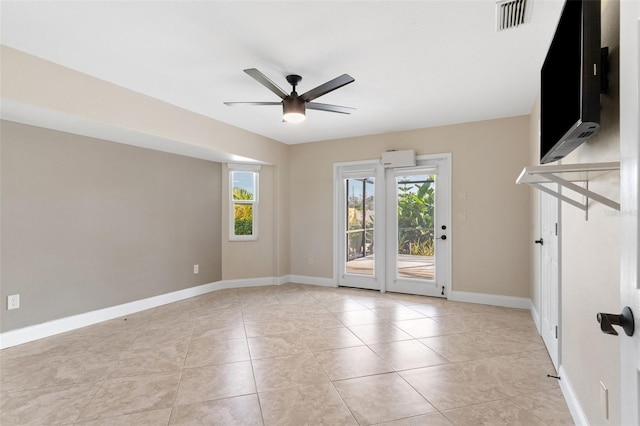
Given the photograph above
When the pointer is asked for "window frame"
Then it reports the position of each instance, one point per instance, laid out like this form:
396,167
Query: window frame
255,169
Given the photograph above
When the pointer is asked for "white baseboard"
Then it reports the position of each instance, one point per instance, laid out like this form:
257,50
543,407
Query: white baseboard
302,279
62,325
284,279
579,417
491,299
247,282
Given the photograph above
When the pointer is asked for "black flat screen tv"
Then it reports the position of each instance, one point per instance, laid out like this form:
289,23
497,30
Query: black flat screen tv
570,81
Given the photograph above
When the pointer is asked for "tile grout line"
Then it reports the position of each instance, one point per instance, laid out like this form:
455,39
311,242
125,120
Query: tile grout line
333,386
184,362
253,371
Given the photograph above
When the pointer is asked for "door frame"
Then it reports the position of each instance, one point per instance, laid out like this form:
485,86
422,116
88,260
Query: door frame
380,209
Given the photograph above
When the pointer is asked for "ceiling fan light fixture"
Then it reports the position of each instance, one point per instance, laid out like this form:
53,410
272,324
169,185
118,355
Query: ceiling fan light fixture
293,110
294,117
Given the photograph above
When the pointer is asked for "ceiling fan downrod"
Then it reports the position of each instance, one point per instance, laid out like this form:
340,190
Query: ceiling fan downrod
293,80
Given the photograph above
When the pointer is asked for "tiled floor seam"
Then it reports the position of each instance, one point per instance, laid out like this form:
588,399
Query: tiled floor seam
343,401
175,397
184,362
253,370
414,388
528,411
88,404
444,412
333,386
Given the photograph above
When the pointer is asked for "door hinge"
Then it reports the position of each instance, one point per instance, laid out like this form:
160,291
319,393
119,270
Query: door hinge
556,331
556,229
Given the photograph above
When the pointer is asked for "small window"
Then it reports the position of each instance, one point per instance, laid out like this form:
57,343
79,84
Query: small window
243,195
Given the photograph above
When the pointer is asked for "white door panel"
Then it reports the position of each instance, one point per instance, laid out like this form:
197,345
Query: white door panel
550,274
359,263
418,228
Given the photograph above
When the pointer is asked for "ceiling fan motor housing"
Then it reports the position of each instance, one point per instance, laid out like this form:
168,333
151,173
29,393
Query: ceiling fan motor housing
293,105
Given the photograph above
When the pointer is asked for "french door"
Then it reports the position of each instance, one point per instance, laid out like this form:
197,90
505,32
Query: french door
418,229
392,227
358,199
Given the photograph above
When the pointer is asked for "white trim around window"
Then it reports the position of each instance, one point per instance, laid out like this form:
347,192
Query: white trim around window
244,178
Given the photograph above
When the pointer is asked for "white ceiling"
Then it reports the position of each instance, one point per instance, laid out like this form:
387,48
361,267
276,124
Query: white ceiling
416,64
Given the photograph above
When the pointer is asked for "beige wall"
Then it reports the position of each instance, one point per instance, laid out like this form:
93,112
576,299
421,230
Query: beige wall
591,256
52,89
41,84
88,224
260,258
534,194
491,249
71,101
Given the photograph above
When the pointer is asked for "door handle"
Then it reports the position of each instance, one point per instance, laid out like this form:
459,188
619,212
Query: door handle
624,320
540,241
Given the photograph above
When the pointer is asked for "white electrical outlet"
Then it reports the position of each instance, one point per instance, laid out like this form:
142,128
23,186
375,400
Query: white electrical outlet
13,301
462,194
604,400
310,260
462,216
196,269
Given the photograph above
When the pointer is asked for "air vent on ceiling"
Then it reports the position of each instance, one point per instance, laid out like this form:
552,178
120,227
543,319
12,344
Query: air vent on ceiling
511,13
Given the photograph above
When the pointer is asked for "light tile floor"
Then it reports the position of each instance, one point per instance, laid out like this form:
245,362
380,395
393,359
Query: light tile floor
289,355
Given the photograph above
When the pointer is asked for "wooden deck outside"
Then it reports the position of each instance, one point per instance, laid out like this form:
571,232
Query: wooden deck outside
416,267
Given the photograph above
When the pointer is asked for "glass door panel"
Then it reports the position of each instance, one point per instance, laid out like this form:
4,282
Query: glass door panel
359,236
415,219
356,201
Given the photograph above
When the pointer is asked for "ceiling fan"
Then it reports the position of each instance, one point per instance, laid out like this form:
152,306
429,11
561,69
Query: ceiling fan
294,105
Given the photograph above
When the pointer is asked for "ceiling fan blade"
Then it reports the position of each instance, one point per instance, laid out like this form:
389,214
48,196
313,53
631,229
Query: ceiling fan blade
329,108
264,80
251,103
327,87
